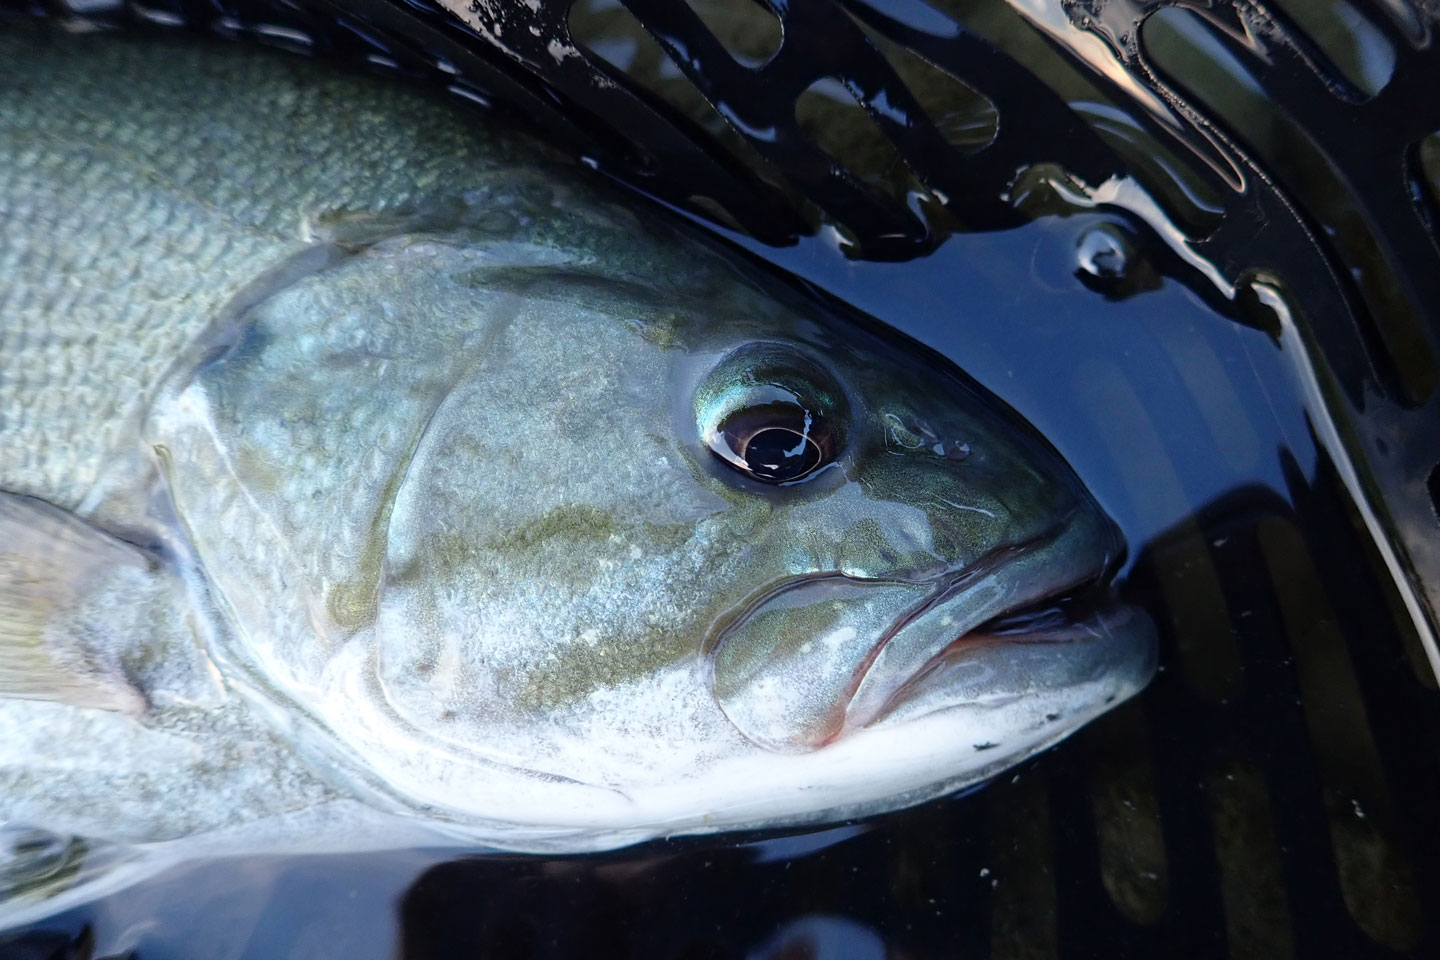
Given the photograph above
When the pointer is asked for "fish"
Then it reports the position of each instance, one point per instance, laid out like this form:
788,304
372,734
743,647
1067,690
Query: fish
372,476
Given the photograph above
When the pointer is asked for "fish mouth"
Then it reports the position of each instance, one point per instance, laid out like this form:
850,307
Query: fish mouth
1085,631
817,658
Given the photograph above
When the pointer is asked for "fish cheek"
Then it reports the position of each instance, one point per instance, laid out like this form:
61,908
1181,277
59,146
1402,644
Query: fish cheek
352,603
515,610
784,675
538,615
419,658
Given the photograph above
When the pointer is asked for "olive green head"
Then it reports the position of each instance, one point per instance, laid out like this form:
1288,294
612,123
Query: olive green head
551,517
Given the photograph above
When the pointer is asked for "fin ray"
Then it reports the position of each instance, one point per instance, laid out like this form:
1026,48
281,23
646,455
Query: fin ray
57,573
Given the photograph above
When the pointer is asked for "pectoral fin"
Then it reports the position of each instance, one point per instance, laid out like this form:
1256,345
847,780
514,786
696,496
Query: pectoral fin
68,593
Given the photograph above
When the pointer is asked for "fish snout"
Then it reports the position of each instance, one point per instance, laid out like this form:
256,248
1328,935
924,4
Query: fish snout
818,658
1050,673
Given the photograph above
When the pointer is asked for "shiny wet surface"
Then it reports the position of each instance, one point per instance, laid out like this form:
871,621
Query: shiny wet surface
1271,794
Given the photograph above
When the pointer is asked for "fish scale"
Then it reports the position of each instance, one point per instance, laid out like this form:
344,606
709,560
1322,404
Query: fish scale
149,180
359,489
112,267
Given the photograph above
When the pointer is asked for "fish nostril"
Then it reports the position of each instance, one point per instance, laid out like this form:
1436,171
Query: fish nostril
908,435
902,434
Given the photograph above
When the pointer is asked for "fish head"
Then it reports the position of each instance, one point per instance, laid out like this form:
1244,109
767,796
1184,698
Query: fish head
586,546
923,550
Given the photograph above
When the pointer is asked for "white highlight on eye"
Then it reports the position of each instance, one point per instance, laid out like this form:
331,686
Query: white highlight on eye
799,447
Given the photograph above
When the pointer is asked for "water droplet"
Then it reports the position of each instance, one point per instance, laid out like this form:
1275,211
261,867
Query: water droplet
1109,259
1103,253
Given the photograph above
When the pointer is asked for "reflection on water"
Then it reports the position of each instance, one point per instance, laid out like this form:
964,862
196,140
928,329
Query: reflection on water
1271,795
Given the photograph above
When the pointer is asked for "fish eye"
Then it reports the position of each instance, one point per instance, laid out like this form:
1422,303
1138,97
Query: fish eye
771,414
773,442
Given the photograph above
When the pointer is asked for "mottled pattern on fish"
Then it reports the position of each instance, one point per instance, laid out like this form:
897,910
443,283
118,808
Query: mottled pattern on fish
393,474
138,201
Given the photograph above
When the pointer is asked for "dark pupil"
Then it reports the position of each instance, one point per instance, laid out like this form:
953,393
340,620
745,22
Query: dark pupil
775,444
779,455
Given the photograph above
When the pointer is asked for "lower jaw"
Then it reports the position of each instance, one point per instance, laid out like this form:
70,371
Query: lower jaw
1071,629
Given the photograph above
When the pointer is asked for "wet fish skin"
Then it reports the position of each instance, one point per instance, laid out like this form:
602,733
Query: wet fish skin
409,424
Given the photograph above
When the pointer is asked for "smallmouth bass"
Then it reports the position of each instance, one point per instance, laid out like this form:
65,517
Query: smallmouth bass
371,478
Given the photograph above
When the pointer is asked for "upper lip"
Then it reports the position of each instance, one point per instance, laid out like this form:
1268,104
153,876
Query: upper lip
947,588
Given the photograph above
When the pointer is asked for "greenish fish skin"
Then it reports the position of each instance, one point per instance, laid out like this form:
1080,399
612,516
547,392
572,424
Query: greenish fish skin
411,422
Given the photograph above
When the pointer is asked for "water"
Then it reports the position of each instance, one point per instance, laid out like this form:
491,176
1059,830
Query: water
1271,794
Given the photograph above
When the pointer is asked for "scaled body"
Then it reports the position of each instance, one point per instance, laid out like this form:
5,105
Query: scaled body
360,465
